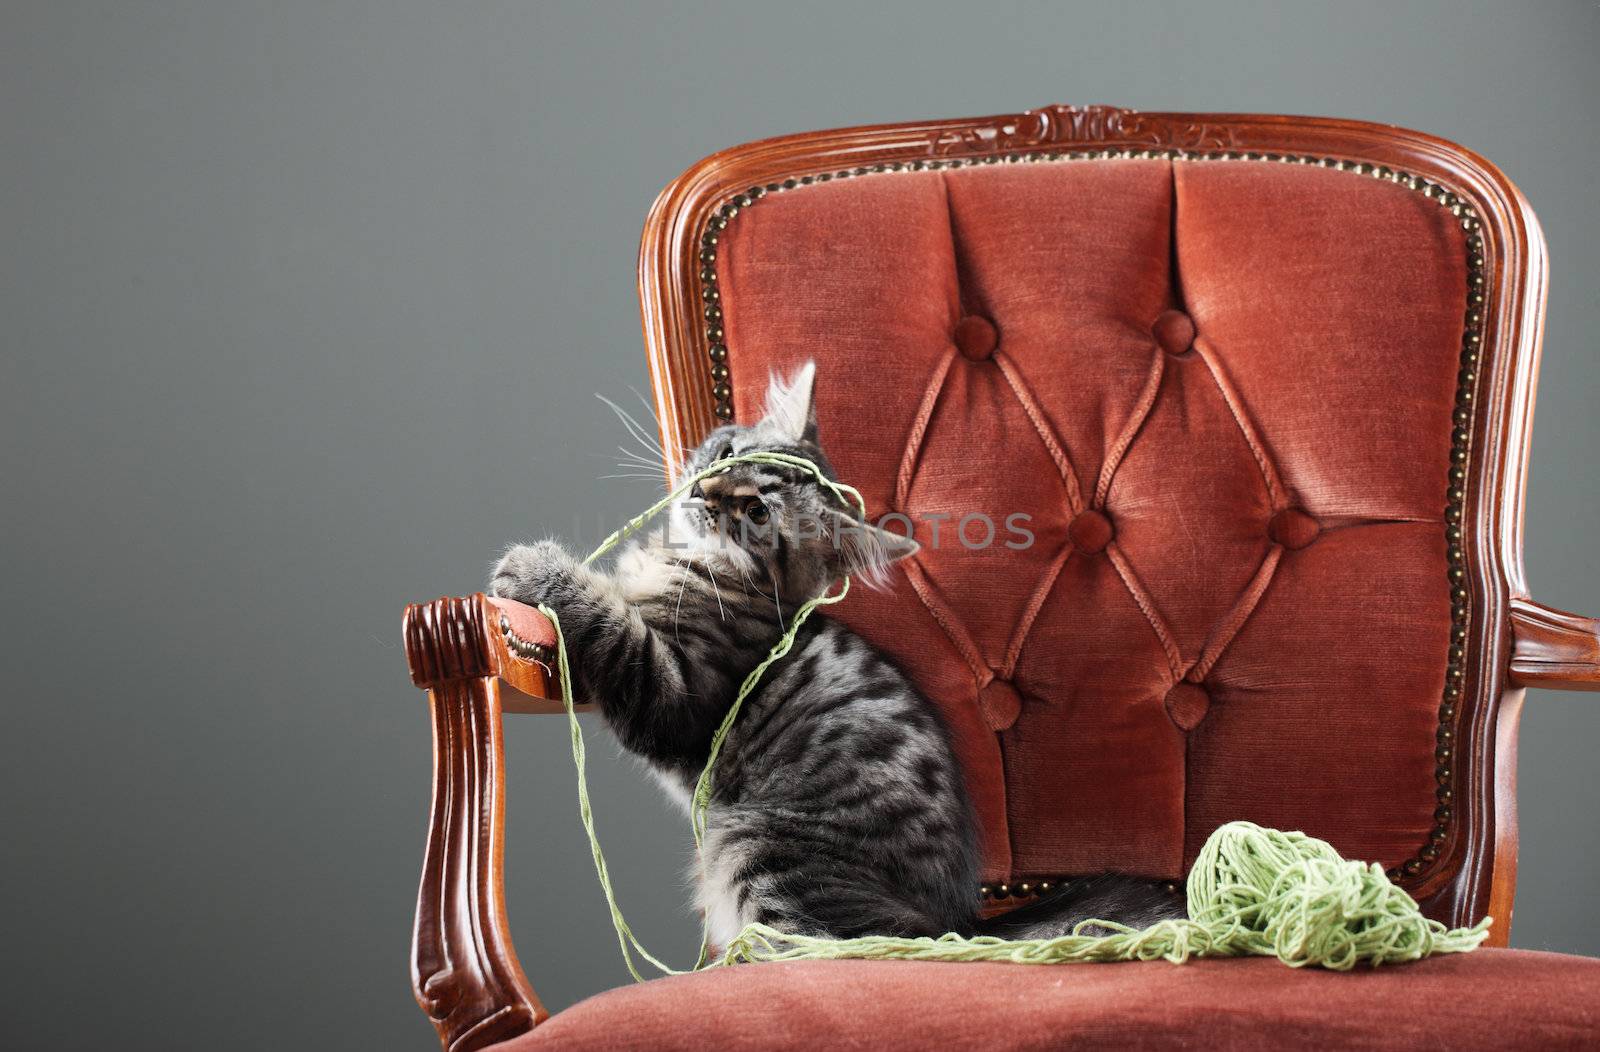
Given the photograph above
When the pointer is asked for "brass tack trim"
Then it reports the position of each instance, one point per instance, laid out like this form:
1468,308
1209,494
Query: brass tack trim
525,649
1038,888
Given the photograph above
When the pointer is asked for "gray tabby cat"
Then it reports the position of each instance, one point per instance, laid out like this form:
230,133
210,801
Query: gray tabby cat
838,807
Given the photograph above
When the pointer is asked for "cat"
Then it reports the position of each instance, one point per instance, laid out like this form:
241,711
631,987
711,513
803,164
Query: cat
838,808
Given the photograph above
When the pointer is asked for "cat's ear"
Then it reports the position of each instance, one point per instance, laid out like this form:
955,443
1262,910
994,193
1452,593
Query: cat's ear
867,551
789,405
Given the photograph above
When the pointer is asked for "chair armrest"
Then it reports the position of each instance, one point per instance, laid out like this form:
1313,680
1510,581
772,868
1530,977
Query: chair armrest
1553,649
483,635
476,657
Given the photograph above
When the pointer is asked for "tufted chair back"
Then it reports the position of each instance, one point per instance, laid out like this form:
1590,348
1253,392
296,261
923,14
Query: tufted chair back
1185,414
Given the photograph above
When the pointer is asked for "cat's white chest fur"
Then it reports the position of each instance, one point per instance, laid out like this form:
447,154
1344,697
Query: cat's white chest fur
717,890
645,573
712,872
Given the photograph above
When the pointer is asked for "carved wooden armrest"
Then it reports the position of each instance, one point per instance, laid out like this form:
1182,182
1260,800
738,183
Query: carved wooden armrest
1553,649
476,657
485,636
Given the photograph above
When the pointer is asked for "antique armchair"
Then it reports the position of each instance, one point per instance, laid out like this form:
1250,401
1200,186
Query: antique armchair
1264,385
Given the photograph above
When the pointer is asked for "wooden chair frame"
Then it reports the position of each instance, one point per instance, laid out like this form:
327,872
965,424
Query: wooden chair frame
475,666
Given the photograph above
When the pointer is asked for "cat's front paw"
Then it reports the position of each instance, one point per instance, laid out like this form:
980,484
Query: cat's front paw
533,573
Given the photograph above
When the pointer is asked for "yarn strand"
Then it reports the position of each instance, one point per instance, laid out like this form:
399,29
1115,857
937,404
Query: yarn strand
626,940
1251,892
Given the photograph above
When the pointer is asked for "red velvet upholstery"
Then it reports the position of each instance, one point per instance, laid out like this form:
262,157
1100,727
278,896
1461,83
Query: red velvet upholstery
1223,393
526,621
1490,999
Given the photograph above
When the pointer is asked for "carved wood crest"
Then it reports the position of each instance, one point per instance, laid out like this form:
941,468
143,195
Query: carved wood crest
1066,125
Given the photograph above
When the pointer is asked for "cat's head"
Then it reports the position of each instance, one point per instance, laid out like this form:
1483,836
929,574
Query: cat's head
780,517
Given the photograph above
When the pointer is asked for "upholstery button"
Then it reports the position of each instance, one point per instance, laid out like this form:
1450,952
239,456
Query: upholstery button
1174,331
1187,704
1293,528
976,337
1000,704
1090,531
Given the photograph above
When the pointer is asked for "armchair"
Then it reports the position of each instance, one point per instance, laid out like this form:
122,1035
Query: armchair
1263,386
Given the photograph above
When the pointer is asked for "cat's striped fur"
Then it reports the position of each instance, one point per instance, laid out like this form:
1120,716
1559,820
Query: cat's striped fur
838,806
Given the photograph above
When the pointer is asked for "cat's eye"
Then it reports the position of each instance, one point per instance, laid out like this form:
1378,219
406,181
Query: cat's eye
727,451
756,512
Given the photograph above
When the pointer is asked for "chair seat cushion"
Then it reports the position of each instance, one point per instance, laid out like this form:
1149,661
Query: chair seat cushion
1487,999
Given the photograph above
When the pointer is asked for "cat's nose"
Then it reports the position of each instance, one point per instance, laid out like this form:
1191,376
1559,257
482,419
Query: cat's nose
720,491
711,490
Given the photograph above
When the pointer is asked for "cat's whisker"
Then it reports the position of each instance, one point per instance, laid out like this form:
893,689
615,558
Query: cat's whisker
777,603
677,611
675,468
628,420
641,453
758,590
648,455
637,460
635,428
711,572
655,418
652,467
629,462
656,446
630,459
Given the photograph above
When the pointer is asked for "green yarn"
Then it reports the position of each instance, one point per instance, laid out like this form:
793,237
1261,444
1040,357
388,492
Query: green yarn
626,940
1251,891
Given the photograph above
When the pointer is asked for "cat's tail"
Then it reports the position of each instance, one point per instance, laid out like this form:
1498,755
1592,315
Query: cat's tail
1133,901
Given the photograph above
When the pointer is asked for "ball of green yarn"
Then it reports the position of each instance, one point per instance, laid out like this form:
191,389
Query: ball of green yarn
1291,896
1252,892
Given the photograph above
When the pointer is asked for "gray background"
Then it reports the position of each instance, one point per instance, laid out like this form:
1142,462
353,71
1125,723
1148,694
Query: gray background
303,306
